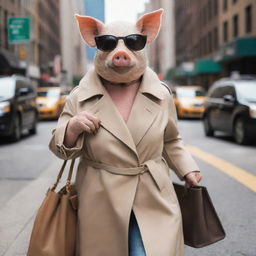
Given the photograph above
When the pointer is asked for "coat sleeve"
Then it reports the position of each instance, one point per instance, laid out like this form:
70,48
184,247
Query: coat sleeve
175,153
56,144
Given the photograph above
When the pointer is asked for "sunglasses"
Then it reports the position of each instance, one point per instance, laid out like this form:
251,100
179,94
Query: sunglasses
108,43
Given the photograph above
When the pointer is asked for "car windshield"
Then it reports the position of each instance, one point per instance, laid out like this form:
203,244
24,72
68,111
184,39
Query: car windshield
49,93
247,90
7,87
189,93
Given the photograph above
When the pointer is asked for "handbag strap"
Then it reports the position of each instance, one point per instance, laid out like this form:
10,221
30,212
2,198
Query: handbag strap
68,181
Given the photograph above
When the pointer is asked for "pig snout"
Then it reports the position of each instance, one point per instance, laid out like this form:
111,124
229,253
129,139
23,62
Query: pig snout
121,59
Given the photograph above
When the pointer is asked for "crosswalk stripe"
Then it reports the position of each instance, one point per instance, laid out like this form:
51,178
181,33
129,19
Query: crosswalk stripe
239,174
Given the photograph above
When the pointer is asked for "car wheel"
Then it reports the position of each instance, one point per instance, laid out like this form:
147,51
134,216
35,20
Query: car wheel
16,134
207,126
240,133
33,130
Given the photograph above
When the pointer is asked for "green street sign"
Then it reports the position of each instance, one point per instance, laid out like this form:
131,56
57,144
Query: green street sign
19,30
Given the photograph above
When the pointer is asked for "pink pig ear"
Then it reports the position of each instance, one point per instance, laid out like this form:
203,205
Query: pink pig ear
89,28
149,24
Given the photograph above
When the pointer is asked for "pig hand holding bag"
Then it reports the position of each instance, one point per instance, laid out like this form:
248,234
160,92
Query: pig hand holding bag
201,224
54,230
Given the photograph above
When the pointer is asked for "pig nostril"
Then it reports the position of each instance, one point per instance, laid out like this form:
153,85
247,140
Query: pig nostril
121,59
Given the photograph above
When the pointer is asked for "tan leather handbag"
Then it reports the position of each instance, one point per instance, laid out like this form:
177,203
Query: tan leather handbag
201,224
54,230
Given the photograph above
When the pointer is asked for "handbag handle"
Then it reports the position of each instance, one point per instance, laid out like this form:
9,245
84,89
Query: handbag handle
187,188
68,181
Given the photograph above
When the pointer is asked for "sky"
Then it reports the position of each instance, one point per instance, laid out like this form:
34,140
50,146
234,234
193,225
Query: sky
123,9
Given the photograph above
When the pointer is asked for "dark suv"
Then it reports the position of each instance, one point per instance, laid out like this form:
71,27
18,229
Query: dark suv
17,106
230,107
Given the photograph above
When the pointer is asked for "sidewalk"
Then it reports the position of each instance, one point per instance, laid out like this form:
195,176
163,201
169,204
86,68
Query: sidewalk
17,216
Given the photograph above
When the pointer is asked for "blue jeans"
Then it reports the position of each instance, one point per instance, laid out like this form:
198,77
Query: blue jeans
136,247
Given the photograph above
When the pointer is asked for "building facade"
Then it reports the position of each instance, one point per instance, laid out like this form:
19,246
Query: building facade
72,46
49,34
9,51
39,55
161,52
216,37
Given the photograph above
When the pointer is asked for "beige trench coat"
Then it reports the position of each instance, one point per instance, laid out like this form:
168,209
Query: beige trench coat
124,167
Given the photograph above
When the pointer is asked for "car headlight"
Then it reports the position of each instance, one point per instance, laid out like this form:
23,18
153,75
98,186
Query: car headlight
253,110
51,103
185,104
5,107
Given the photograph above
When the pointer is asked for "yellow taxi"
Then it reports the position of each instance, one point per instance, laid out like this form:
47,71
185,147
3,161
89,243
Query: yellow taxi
189,101
50,102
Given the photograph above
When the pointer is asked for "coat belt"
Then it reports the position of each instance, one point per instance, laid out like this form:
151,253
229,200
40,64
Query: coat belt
148,166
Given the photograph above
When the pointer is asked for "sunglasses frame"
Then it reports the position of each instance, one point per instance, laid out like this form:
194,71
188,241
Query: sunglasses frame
117,39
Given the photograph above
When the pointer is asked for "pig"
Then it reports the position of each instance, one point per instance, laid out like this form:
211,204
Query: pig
121,121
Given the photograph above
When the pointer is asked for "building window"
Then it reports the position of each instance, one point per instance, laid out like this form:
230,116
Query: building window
210,10
215,7
215,38
205,44
225,5
235,25
205,15
248,19
234,1
225,31
209,42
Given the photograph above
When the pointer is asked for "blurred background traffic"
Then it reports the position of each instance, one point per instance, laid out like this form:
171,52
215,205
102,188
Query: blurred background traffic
42,57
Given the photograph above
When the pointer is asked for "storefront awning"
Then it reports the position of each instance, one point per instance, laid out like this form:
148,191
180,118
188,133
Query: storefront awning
200,67
239,48
207,66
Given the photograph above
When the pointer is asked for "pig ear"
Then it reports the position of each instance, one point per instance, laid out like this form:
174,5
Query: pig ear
149,24
89,28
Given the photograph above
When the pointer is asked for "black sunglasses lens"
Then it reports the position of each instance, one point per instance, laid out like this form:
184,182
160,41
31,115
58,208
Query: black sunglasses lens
135,42
106,43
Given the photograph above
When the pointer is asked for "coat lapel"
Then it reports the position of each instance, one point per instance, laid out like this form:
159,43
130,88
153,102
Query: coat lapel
105,109
142,116
112,121
145,109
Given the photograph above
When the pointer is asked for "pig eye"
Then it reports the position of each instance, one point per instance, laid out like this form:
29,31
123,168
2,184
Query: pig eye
106,43
134,42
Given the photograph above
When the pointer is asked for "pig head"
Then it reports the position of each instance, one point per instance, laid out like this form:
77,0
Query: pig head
120,65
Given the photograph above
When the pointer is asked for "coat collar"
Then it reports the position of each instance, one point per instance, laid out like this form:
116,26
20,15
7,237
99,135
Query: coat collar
142,115
151,84
90,85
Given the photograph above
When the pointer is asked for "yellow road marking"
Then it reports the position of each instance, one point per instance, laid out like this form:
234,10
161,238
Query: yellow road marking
240,175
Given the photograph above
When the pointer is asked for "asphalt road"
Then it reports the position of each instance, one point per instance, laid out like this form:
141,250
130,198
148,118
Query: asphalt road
22,162
234,202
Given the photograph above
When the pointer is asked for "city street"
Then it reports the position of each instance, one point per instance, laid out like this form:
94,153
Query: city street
23,162
203,51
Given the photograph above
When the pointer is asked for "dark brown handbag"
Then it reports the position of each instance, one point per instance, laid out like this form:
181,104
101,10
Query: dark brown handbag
54,230
201,224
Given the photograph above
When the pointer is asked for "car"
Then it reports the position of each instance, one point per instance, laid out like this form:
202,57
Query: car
17,107
230,107
50,102
189,101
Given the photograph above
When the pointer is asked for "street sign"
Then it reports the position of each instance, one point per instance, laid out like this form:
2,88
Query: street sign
19,30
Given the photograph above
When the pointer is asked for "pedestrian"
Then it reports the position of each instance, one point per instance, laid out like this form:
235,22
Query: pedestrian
121,122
